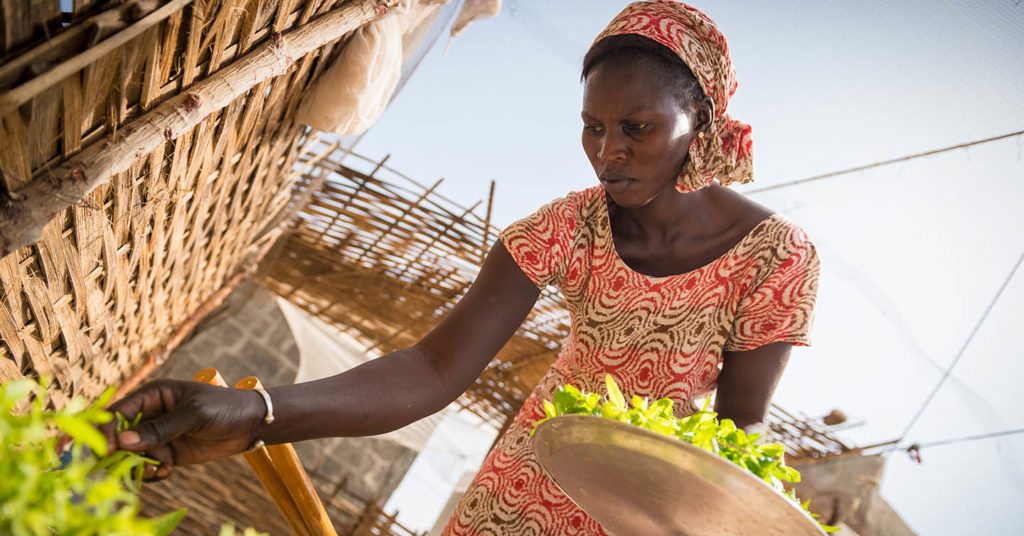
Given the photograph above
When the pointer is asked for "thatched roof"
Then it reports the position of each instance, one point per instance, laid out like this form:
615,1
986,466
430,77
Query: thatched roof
145,160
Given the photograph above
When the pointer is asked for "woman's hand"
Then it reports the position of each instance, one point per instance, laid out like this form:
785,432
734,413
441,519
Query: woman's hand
186,422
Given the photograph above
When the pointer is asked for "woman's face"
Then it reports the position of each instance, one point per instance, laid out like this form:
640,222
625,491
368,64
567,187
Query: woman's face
635,132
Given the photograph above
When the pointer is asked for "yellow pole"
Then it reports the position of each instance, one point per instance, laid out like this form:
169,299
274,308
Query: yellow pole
261,463
295,478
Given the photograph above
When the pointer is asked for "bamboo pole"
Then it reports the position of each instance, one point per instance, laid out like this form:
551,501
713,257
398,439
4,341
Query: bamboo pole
487,225
398,220
260,462
40,200
295,479
96,27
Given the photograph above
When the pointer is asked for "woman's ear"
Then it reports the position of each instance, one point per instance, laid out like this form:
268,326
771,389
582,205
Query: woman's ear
705,114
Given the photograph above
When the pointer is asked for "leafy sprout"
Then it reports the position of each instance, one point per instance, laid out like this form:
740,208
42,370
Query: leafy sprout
703,429
87,493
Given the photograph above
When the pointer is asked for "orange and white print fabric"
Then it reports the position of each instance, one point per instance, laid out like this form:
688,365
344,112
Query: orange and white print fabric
657,336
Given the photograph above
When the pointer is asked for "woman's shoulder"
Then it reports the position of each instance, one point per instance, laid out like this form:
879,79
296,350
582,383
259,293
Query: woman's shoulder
774,241
783,232
783,249
581,200
558,218
576,205
768,227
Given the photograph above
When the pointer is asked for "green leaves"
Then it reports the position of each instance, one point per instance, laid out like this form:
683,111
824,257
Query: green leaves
229,530
165,524
614,394
88,495
80,430
703,429
15,392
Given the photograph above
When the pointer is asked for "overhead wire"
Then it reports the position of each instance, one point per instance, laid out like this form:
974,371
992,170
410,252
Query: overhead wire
966,439
881,163
963,349
548,35
914,449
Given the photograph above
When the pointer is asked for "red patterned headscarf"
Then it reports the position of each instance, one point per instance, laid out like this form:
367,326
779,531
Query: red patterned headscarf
725,151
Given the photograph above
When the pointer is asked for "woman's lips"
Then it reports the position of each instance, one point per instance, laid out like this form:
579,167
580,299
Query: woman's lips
616,182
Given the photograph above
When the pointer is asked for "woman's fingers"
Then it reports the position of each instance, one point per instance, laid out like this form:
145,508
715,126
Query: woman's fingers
147,401
163,454
156,431
196,422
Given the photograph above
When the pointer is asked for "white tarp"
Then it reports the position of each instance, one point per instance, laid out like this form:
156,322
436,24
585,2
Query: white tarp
353,92
323,352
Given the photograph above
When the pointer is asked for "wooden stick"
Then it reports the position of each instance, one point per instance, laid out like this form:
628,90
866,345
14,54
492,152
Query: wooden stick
297,482
487,224
261,463
39,201
78,36
398,220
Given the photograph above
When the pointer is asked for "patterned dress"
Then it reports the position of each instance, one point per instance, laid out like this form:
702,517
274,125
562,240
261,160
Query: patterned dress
657,336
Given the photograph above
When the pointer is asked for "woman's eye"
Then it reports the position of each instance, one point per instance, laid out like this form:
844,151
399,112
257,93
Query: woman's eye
593,129
637,127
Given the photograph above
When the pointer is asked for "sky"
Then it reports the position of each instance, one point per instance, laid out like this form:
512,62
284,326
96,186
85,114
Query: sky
913,254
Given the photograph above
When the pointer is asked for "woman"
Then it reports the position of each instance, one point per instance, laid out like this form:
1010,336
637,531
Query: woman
676,286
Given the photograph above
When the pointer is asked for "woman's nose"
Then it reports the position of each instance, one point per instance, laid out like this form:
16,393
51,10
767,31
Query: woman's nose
613,148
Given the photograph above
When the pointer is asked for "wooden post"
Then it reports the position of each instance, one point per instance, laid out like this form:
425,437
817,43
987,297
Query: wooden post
487,224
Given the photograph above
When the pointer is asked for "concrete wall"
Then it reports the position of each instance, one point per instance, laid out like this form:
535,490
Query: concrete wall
249,337
845,489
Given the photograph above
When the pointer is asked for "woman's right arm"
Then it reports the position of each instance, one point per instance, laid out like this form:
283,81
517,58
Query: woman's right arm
188,422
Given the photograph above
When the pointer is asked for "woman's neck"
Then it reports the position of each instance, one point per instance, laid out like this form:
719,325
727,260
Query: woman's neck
667,215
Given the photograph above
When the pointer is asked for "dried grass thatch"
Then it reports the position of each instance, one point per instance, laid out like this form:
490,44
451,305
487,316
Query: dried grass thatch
145,159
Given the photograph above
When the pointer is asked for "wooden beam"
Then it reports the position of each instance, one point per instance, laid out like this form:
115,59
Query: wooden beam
21,20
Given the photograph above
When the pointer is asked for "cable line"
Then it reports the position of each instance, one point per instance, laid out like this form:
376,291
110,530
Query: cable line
914,449
963,349
966,439
881,163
